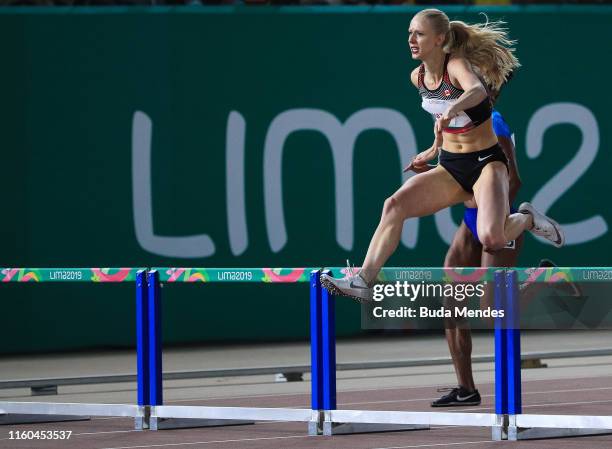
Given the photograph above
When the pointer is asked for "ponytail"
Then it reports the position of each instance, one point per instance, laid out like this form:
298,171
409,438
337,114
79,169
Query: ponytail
486,46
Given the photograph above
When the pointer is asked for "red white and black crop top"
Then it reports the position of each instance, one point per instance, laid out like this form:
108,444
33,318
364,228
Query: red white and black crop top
437,101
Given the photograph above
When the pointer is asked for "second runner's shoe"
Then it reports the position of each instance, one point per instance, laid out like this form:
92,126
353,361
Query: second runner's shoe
458,396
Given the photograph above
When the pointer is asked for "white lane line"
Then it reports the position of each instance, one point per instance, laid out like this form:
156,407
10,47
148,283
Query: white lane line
106,431
484,396
568,403
211,442
381,389
548,404
437,445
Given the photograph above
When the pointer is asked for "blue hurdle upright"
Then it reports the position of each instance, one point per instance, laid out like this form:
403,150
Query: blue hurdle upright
508,421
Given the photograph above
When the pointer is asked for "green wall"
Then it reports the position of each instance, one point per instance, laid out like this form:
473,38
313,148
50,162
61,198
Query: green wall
80,87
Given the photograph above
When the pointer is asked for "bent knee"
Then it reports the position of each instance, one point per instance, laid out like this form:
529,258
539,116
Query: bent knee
391,207
492,241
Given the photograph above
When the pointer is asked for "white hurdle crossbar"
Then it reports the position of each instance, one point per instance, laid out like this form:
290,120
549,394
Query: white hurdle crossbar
528,426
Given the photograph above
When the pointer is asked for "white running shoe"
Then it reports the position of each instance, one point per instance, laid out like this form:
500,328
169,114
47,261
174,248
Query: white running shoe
353,285
544,226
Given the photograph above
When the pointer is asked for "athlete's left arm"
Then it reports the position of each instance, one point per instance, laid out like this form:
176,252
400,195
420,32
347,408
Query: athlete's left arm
514,177
461,73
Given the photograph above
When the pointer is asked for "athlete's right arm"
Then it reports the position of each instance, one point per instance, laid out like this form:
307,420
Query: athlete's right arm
420,163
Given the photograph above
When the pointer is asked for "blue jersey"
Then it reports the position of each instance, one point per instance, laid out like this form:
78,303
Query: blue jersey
500,127
470,214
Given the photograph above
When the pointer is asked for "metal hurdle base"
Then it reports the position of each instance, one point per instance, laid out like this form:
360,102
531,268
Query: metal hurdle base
20,418
331,427
499,429
315,425
39,412
528,427
156,423
535,433
360,421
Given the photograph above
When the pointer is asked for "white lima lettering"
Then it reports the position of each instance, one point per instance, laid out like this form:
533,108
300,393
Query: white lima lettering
234,276
65,275
193,246
341,138
581,117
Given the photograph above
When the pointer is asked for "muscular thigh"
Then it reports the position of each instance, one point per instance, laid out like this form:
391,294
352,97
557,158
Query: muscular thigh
491,195
427,193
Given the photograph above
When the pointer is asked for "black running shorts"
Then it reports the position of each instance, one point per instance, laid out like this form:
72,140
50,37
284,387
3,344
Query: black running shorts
466,167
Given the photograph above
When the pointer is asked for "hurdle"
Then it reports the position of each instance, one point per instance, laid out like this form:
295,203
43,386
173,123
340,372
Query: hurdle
508,422
323,418
521,426
174,416
35,412
336,422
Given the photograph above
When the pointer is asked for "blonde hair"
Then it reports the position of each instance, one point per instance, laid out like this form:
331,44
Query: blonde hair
486,46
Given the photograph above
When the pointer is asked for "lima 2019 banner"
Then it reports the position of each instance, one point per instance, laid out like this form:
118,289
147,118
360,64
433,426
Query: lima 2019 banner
268,137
